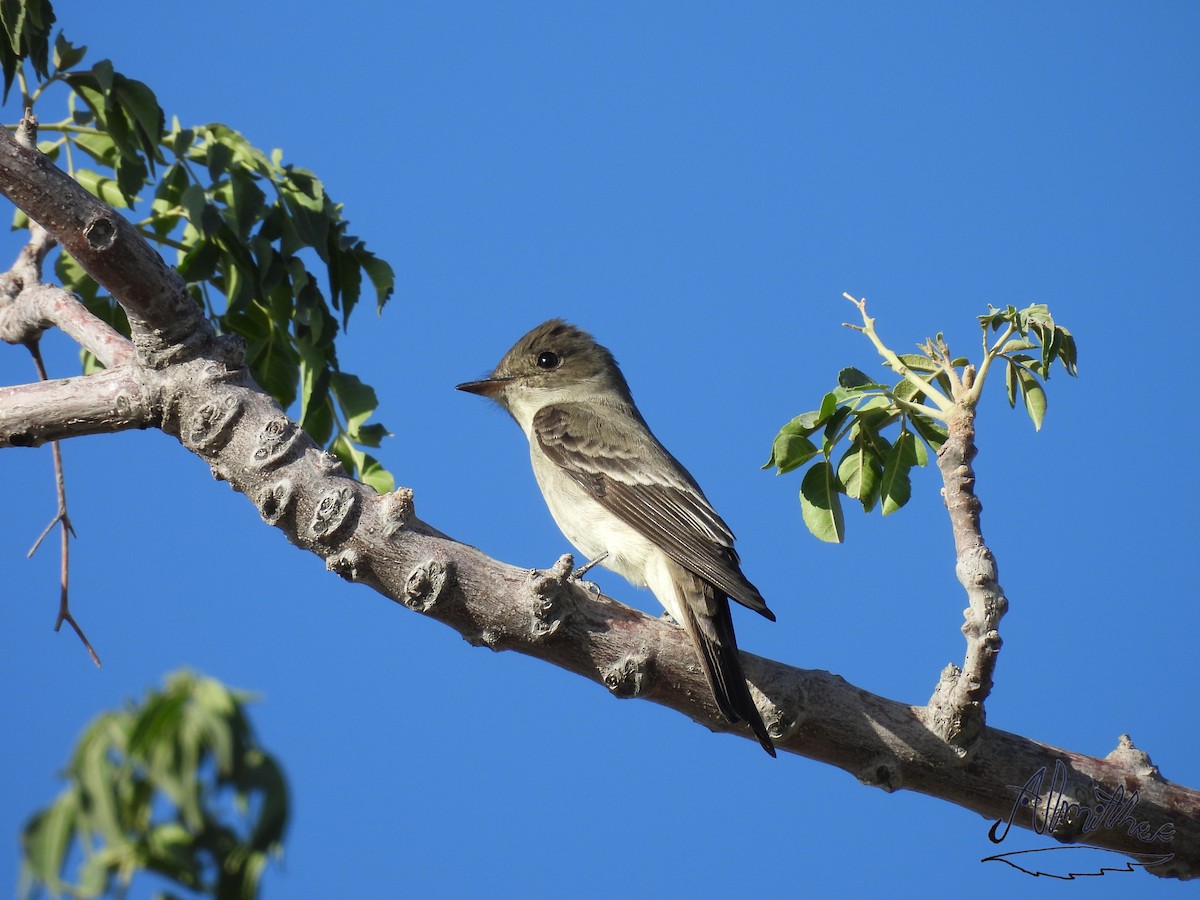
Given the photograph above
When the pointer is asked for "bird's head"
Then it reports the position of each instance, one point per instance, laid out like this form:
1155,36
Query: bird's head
554,363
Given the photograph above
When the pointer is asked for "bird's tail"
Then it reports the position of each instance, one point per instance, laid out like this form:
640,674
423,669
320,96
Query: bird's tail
711,631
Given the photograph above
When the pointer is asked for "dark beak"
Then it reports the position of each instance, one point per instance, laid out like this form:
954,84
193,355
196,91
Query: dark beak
485,388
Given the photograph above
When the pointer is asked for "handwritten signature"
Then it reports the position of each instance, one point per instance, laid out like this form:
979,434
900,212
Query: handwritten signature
1054,808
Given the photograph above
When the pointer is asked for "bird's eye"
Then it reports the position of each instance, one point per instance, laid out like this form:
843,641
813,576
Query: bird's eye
548,360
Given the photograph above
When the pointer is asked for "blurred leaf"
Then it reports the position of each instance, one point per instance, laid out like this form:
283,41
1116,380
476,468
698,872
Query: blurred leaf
26,25
104,188
66,54
156,787
357,401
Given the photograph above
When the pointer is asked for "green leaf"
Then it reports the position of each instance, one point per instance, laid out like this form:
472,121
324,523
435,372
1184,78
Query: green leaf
275,366
858,472
828,404
66,54
375,475
804,424
26,25
931,431
172,787
853,378
1017,344
357,400
907,391
104,188
919,454
383,279
820,504
1034,396
790,451
99,147
918,362
894,485
47,837
906,449
1067,352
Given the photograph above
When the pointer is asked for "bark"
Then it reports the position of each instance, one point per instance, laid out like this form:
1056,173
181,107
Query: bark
177,377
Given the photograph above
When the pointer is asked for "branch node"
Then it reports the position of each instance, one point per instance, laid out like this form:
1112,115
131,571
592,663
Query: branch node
630,676
344,564
335,510
100,233
1130,757
231,350
398,510
27,130
275,442
426,586
549,588
211,425
330,464
275,500
782,719
883,772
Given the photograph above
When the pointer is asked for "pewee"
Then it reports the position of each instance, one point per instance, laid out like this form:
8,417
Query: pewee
623,500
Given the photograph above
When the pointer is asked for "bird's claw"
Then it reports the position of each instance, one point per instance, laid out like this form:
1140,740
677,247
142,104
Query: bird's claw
584,569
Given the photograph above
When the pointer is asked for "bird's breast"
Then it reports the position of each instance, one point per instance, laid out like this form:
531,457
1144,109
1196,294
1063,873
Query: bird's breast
588,525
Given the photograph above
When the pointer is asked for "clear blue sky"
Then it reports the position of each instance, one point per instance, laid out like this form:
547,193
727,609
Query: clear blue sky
696,184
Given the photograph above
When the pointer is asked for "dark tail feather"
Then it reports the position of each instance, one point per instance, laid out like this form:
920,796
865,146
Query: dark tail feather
717,650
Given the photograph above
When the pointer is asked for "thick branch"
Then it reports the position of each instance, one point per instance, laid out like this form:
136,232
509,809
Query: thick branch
113,400
163,318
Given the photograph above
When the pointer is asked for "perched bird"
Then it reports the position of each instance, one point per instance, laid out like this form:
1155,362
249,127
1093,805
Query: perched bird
623,500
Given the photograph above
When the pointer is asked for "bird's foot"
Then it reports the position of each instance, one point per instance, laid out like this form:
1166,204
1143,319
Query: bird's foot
584,569
667,617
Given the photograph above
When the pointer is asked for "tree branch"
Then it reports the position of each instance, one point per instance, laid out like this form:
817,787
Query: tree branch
956,710
208,401
66,529
109,401
35,308
165,321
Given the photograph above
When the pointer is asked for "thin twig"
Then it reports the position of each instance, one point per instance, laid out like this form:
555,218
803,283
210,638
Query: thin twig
937,398
67,530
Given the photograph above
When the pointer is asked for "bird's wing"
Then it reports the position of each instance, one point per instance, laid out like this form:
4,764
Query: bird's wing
634,477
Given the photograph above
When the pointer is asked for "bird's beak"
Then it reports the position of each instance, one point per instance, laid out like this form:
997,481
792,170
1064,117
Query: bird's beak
488,387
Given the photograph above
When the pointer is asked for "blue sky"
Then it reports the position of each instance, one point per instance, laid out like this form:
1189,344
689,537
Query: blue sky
696,184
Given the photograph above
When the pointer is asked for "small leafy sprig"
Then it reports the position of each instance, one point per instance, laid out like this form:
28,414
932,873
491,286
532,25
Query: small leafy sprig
245,228
887,429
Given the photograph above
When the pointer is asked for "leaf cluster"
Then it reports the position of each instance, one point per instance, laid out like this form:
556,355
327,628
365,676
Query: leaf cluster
886,430
884,433
176,785
1032,341
248,233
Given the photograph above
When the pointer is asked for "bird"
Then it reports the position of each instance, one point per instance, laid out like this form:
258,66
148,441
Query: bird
622,499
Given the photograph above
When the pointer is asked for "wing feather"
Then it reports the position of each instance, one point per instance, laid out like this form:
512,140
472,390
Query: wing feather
633,476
